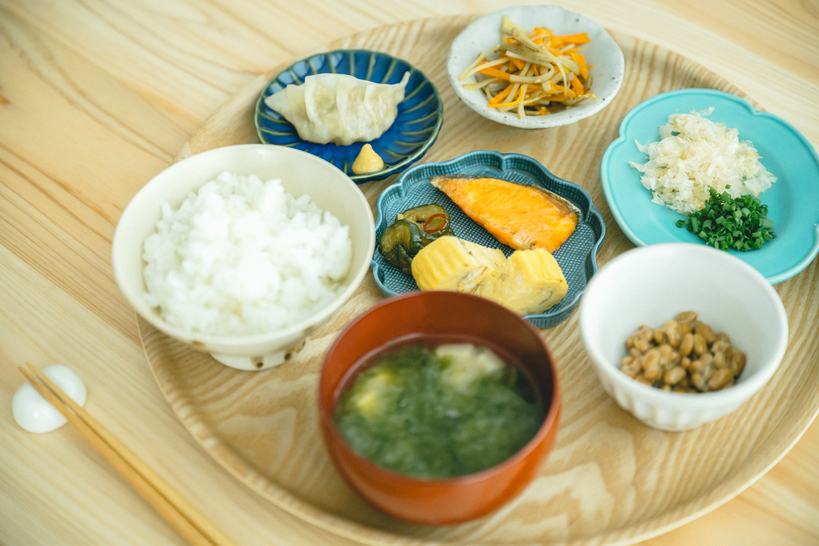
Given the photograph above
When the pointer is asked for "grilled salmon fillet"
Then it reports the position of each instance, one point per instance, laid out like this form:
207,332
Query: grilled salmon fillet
522,217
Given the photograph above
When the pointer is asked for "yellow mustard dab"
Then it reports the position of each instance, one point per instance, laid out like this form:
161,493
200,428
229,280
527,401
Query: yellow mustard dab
367,161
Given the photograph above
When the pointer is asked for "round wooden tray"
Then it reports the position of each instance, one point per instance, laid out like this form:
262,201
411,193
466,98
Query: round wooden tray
609,478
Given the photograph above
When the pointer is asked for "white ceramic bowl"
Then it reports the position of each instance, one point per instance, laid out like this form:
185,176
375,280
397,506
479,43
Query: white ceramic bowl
301,173
602,52
650,285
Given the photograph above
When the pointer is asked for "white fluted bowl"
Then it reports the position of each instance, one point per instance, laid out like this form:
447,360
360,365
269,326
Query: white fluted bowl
650,285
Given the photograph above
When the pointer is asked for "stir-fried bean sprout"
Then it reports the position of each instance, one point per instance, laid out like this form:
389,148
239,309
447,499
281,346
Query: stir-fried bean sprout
531,73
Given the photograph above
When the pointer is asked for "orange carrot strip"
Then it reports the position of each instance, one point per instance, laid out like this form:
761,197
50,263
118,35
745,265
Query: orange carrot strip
577,87
518,63
494,72
514,102
581,62
500,96
576,39
564,93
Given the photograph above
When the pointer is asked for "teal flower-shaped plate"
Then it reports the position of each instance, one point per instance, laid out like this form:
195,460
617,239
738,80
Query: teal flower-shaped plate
415,129
793,201
577,257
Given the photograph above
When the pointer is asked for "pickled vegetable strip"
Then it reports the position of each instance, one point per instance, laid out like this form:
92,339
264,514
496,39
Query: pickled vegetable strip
428,227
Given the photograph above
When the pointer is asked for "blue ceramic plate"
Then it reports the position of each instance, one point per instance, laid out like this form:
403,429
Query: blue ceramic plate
419,120
793,201
577,256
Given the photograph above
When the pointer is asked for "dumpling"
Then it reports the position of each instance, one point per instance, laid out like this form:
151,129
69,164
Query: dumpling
339,108
291,99
321,104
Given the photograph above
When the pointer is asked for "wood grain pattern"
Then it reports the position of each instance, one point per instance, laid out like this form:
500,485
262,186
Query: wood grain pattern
609,478
98,96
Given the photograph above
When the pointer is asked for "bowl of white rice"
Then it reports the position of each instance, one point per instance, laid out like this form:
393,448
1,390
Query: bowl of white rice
243,251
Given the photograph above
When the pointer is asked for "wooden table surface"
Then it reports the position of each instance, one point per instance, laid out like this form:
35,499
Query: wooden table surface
98,96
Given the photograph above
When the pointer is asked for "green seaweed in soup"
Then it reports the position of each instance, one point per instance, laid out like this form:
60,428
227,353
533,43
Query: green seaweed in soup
439,413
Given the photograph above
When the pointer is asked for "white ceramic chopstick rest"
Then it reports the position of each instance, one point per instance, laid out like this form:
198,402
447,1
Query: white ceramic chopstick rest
33,413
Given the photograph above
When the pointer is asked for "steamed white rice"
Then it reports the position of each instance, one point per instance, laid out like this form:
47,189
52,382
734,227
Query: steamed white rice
242,256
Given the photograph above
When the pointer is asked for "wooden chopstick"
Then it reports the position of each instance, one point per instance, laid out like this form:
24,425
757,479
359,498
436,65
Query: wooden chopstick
190,523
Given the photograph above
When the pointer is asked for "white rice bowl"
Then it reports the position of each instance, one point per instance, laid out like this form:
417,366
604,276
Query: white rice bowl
242,257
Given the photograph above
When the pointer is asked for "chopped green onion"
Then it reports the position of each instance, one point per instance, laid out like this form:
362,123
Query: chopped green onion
725,222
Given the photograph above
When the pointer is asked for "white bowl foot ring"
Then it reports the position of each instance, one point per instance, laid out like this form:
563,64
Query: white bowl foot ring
259,363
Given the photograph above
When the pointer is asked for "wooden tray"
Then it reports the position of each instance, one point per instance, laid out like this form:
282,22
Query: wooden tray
609,478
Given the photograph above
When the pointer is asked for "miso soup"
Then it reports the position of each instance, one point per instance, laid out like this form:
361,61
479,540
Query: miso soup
438,410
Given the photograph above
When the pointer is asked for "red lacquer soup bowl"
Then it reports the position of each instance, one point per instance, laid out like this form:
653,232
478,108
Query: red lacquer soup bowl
448,316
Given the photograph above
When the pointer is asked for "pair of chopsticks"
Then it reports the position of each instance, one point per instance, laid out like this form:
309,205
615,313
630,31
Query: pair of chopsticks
182,516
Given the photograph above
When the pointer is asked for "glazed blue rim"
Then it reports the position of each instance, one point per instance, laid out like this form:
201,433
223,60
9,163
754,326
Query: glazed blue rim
577,256
785,152
415,130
